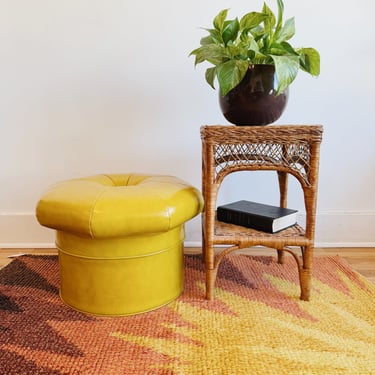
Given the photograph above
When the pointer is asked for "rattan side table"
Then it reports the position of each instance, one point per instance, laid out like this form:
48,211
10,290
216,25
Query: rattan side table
286,149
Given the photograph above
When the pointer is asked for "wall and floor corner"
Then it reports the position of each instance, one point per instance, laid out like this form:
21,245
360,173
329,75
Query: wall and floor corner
344,229
80,95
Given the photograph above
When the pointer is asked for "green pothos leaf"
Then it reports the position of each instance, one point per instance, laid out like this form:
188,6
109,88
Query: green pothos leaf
286,68
220,19
230,74
310,60
210,76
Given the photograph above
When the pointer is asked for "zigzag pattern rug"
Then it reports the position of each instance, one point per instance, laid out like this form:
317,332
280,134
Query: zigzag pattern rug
256,325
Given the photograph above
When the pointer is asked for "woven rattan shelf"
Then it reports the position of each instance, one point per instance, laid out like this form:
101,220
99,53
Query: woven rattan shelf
285,149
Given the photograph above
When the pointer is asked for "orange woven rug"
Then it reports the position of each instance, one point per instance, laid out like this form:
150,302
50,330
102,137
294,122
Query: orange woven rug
256,325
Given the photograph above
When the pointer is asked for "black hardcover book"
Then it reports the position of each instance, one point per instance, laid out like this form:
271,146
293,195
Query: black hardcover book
258,216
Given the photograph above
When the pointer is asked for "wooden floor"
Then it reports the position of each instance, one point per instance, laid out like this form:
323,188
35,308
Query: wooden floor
361,259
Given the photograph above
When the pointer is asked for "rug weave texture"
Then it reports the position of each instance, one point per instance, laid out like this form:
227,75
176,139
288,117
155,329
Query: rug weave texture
256,324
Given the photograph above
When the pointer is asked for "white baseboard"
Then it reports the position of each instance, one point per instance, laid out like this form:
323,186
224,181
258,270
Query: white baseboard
345,229
22,230
333,229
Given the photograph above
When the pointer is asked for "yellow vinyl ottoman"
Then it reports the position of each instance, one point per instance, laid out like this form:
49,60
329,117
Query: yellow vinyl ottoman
119,239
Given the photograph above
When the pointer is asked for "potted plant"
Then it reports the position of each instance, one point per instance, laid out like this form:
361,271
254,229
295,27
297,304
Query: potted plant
241,49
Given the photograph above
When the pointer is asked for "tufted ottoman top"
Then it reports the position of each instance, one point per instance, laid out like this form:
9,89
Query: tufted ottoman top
118,205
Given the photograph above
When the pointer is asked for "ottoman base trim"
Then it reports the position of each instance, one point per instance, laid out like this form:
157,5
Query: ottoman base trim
121,314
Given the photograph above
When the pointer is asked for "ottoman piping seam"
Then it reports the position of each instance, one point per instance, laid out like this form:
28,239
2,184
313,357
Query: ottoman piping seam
112,180
92,211
165,202
118,258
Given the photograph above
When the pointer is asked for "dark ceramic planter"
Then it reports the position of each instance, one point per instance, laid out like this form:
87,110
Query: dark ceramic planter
254,100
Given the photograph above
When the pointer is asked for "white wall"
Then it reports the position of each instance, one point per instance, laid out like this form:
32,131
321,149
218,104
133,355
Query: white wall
90,86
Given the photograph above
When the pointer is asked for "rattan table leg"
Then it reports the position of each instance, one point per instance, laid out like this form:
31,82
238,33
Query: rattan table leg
210,282
305,271
280,256
305,282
